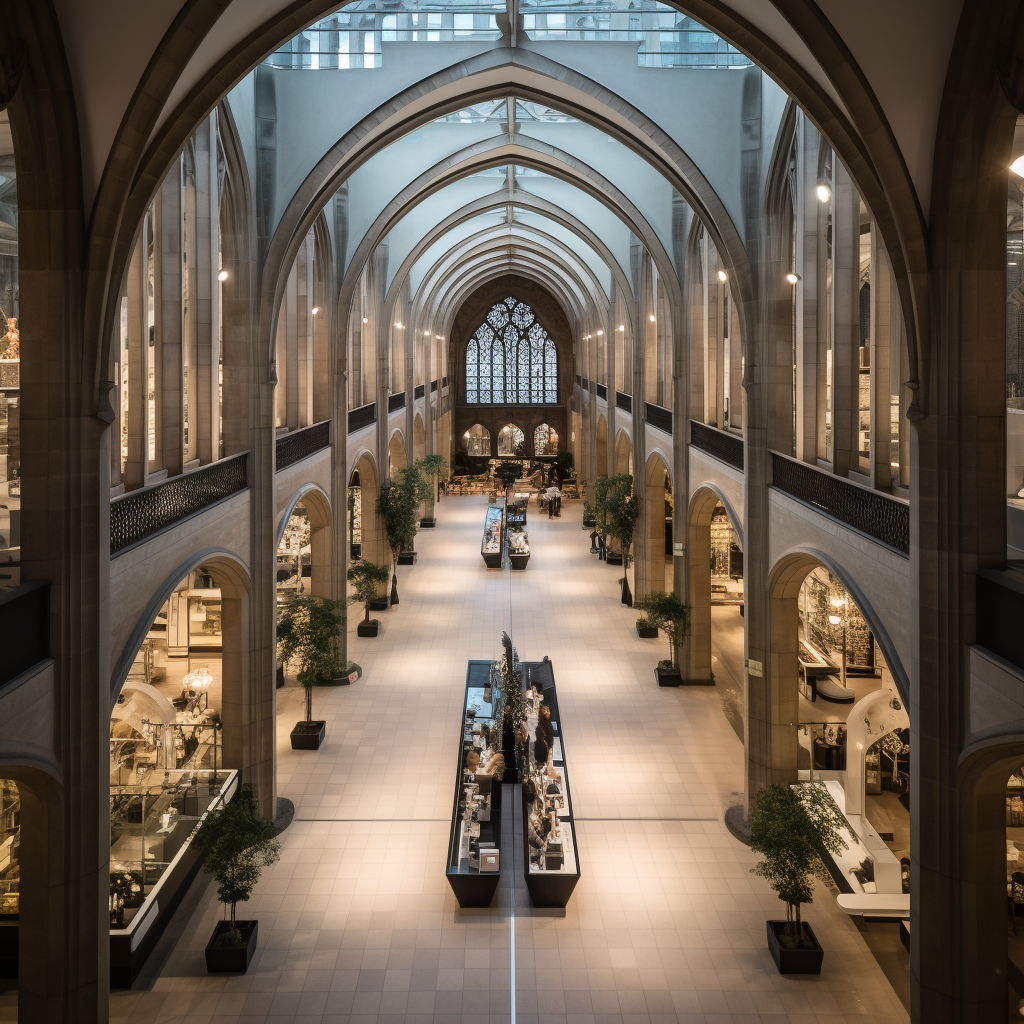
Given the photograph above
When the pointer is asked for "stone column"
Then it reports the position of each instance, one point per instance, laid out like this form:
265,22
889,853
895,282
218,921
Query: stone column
881,389
206,293
807,213
645,307
845,320
169,323
139,354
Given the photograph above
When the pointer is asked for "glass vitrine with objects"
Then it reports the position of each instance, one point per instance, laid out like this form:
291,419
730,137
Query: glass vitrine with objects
490,546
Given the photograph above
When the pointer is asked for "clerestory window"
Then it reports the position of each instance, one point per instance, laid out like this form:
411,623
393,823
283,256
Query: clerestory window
511,360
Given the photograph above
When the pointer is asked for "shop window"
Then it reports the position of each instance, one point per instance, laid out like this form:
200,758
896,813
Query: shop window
10,367
511,360
355,517
477,440
10,848
511,441
545,440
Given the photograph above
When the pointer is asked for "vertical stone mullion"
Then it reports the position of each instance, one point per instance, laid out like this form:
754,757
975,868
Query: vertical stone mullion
846,321
807,243
205,294
137,469
291,350
881,314
169,346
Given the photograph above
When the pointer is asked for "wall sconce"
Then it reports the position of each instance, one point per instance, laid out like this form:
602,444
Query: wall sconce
792,278
723,276
366,319
1018,166
222,276
316,309
650,316
824,193
600,333
397,324
622,327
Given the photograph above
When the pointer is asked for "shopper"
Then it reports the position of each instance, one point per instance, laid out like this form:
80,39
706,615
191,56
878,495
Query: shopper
550,495
543,737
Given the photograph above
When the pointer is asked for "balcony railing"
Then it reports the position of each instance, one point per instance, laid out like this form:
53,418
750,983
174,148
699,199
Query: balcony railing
659,417
362,417
420,391
1000,611
24,628
300,444
624,402
725,447
396,402
878,515
139,515
602,392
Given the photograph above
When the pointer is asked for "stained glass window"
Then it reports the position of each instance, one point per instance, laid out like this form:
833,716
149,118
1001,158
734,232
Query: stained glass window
511,360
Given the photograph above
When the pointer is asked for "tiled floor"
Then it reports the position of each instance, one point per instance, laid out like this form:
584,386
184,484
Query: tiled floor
357,923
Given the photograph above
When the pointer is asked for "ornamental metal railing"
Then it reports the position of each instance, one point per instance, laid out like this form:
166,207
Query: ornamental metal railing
300,444
396,402
881,517
659,417
139,515
420,391
720,445
362,417
602,391
623,401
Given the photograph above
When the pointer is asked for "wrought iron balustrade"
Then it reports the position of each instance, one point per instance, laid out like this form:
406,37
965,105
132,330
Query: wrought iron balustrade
659,417
624,402
725,447
24,628
139,515
881,517
362,417
300,444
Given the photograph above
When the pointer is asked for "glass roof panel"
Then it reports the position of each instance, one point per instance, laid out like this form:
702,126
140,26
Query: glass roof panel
666,37
489,110
527,110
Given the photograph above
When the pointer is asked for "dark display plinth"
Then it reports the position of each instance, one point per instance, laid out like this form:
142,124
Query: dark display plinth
518,561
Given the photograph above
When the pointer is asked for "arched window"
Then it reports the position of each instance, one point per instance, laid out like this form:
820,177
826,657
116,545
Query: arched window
510,360
545,440
511,440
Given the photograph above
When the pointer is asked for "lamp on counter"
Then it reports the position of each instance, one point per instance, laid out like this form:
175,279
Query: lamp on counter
198,681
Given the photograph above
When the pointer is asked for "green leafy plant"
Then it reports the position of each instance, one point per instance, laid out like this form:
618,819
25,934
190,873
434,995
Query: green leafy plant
645,623
516,709
791,827
309,629
235,844
667,611
601,487
589,512
432,468
367,578
623,513
396,506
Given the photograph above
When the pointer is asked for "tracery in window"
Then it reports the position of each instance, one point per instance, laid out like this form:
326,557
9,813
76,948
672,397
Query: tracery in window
511,360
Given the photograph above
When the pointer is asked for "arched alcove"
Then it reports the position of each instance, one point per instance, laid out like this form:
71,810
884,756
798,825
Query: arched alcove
623,454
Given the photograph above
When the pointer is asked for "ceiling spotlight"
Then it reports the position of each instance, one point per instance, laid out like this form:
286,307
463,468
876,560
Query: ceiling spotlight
1018,166
650,316
792,278
366,319
824,193
222,276
723,276
316,309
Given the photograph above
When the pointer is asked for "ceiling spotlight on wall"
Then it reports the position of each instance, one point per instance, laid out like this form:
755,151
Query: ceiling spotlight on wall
824,193
723,276
792,278
600,333
650,316
398,323
1018,166
622,327
222,276
366,319
316,309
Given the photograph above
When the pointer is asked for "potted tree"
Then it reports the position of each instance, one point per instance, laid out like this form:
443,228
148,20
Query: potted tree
589,516
623,513
791,827
646,629
235,844
601,486
396,507
668,611
432,467
309,630
367,578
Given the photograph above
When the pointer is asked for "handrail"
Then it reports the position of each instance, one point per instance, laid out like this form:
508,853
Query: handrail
362,417
879,516
300,444
659,417
139,515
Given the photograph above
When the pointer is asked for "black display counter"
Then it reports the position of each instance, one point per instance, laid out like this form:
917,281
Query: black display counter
474,846
550,851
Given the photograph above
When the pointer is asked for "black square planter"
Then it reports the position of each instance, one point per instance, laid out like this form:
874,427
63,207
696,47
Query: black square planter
368,628
232,959
589,524
614,558
647,632
794,961
379,605
407,558
308,735
428,523
668,676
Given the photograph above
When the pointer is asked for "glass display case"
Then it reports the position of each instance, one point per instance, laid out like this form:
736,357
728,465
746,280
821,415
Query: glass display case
490,547
515,531
152,824
474,847
550,861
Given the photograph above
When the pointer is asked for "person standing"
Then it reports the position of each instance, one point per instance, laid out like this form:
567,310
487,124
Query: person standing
543,737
